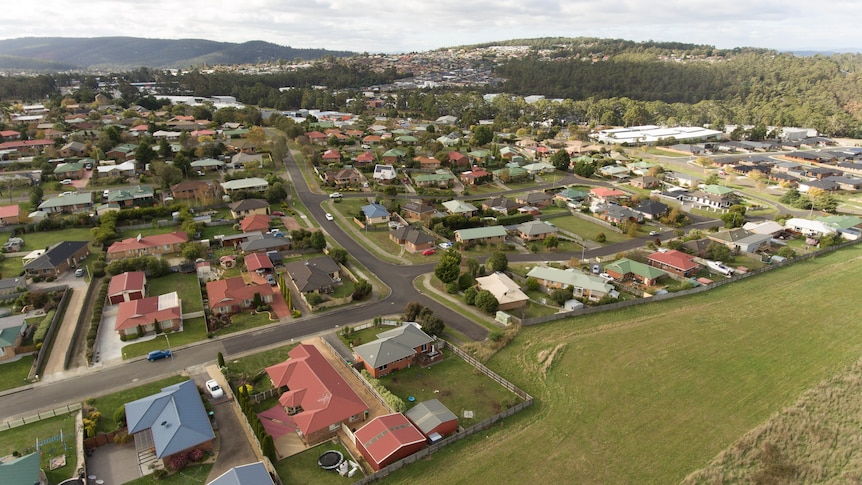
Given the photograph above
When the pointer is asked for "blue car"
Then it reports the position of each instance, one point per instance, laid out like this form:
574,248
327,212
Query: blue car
158,354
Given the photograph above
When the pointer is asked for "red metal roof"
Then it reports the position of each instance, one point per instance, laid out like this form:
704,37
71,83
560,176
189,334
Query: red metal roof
385,435
233,291
9,211
146,311
254,222
129,281
674,259
256,261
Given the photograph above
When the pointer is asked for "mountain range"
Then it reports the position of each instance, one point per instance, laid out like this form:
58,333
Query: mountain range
51,54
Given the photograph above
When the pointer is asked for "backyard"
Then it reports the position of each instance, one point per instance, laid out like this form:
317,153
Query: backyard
302,468
190,475
654,392
23,440
186,285
250,369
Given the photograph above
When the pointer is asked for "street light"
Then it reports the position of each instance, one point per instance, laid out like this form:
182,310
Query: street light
173,365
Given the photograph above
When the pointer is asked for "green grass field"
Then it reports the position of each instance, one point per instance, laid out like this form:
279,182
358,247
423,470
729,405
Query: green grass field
303,469
588,230
194,330
14,374
186,285
652,393
245,369
109,403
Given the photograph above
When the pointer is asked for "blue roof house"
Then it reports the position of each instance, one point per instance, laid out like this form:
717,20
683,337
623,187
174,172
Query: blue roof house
375,213
170,422
251,474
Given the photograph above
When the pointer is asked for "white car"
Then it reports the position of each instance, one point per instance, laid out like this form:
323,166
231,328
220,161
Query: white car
66,181
214,389
329,217
606,276
444,245
335,195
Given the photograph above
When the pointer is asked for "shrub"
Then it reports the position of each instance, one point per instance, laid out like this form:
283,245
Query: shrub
396,403
600,237
314,299
42,329
532,284
470,295
178,462
120,416
196,454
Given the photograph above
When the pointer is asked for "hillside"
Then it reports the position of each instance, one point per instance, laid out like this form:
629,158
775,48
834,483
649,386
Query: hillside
61,53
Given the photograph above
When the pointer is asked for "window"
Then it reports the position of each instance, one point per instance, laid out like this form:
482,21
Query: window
383,367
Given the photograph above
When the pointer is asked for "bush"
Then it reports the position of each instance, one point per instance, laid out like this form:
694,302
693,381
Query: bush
600,237
314,299
532,284
120,416
396,403
470,295
452,288
486,301
178,462
196,454
42,329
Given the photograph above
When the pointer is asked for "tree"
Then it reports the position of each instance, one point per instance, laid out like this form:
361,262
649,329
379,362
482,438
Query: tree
482,135
339,255
551,242
825,202
411,311
562,295
712,179
192,250
361,289
583,168
787,252
275,193
486,301
36,196
449,267
465,281
470,295
167,174
718,252
734,217
497,262
318,241
144,153
560,160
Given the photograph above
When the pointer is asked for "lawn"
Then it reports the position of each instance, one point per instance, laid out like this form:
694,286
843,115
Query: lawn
190,475
194,330
42,240
109,403
23,440
302,469
245,369
14,374
654,392
588,230
186,285
457,384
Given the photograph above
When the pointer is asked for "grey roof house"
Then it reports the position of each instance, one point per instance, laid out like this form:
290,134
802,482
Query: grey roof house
58,259
250,474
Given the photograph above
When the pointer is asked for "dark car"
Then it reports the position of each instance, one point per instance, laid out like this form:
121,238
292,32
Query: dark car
158,354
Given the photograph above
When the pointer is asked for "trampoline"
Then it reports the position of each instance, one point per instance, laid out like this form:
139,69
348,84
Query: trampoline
330,460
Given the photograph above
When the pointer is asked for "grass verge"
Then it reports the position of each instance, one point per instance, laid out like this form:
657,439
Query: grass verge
14,374
194,330
109,403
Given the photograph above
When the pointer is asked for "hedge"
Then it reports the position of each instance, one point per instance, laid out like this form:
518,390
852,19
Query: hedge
44,325
396,403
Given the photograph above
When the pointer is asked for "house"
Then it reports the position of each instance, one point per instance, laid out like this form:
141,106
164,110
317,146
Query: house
127,286
713,200
384,174
126,169
441,179
476,176
626,269
393,156
364,159
205,164
314,396
651,209
140,196
396,349
850,227
606,194
265,242
506,291
535,230
539,167
809,228
617,172
676,262
247,207
255,222
316,137
344,177
739,239
320,275
535,199
171,422
9,286
571,195
58,259
250,474
584,286
645,182
459,207
375,213
417,211
155,245
12,330
68,202
433,419
123,152
387,439
412,239
10,214
764,227
500,204
682,179
427,163
617,214
22,470
251,184
153,314
233,295
483,235
458,159
71,170
258,262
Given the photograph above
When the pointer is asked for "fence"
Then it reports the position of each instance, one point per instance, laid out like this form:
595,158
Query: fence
263,396
667,296
14,423
484,425
42,356
359,376
596,220
81,325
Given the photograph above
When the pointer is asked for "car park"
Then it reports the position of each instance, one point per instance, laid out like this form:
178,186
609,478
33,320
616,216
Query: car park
428,252
329,217
214,389
158,355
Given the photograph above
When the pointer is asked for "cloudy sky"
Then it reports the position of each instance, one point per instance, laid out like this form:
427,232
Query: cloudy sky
404,26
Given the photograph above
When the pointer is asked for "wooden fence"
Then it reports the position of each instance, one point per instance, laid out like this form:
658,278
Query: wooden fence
360,377
14,423
42,355
263,396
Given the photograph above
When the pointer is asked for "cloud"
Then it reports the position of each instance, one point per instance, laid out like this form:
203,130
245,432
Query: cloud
401,26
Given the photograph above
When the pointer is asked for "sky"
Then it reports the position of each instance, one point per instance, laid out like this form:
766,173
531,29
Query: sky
405,26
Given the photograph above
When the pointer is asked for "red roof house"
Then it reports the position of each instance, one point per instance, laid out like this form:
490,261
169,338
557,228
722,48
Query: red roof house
458,159
387,439
315,395
127,287
316,137
364,158
258,262
163,310
674,261
9,214
147,245
475,176
605,194
254,222
331,155
233,295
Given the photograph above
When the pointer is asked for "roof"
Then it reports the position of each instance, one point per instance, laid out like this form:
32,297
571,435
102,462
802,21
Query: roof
626,266
248,183
145,242
374,210
428,415
207,162
248,204
75,198
312,274
411,235
22,470
233,291
250,474
502,287
68,167
480,232
55,255
459,206
256,261
254,222
176,417
139,192
128,281
606,192
384,435
9,211
10,328
536,228
571,277
145,311
315,386
393,345
674,259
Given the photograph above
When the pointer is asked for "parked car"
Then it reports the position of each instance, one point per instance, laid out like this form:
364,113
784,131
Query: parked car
158,355
79,272
270,279
214,389
278,213
606,276
66,181
428,252
445,245
335,195
329,217
88,166
653,233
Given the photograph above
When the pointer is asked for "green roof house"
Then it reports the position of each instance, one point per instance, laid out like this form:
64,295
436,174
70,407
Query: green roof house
627,269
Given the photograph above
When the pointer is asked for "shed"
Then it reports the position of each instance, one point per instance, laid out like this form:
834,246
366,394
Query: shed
433,417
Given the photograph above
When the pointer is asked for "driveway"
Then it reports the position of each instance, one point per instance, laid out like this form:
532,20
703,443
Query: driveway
114,464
